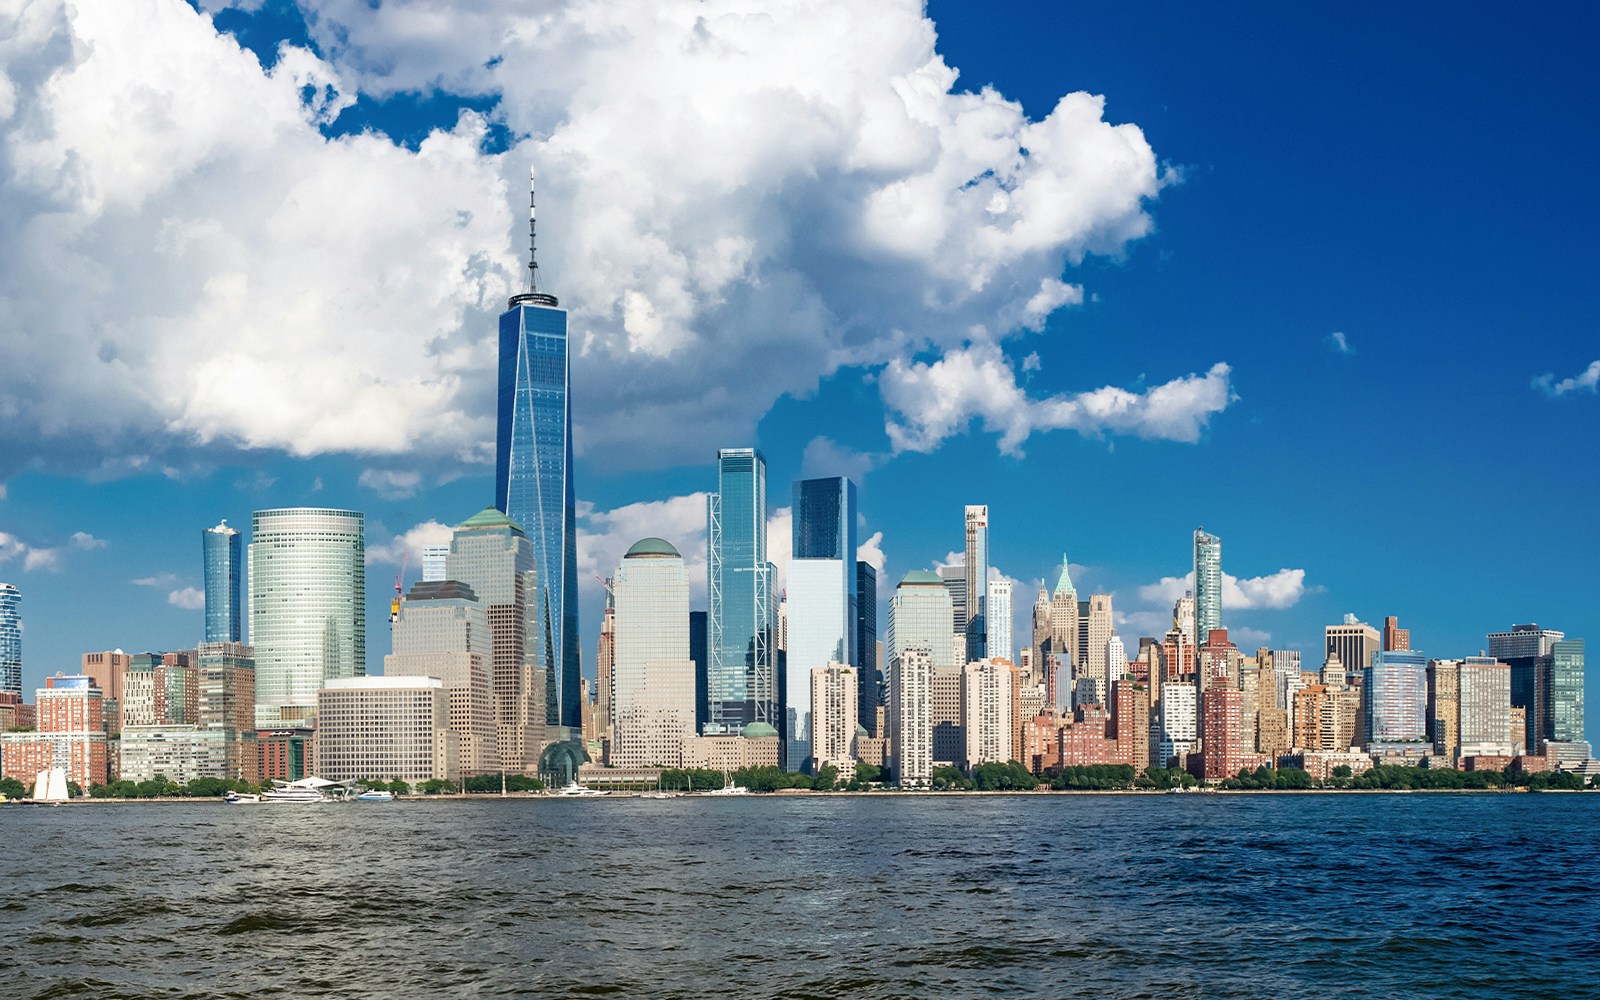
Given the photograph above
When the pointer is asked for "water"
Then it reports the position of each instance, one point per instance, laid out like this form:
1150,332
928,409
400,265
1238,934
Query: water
1052,896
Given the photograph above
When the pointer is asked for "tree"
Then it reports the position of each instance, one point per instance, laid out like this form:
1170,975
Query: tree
868,773
11,788
74,790
436,786
950,778
825,779
1342,771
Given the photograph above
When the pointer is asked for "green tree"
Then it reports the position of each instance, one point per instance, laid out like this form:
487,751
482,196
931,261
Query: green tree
868,773
951,778
74,790
826,779
11,788
1342,771
437,786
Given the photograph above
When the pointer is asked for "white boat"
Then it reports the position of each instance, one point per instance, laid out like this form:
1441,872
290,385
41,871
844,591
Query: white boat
375,795
242,799
50,787
729,790
577,789
306,791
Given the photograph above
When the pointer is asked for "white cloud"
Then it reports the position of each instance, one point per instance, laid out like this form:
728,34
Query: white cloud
1339,344
159,580
780,542
1244,636
739,200
871,552
929,402
84,541
189,598
1282,589
826,457
32,556
406,548
2,491
1588,380
391,484
604,536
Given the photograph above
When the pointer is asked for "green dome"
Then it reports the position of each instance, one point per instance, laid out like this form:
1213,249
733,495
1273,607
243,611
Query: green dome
489,517
652,547
756,730
921,576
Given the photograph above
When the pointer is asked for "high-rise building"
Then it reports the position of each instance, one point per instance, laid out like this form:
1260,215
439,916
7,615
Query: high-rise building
490,553
386,727
443,631
1485,705
1207,583
1355,642
822,600
988,711
1064,628
997,618
1529,649
699,630
976,627
920,618
1096,626
220,548
1222,747
1566,691
910,717
955,582
533,475
1040,636
1444,707
1395,638
1395,700
742,667
225,679
1177,723
10,639
605,667
69,733
308,607
1116,659
652,707
870,676
106,670
435,559
834,694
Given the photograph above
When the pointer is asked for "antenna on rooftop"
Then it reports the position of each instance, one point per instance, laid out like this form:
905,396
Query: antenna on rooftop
533,296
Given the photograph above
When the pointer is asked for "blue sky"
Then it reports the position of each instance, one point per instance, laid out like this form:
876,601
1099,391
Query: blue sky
227,288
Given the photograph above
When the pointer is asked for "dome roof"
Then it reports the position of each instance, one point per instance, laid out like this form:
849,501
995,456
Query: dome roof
652,547
756,730
921,576
489,517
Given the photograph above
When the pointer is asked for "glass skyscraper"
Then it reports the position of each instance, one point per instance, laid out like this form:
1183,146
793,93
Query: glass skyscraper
870,675
1566,691
533,481
1395,699
1207,584
308,607
742,674
822,600
221,549
10,639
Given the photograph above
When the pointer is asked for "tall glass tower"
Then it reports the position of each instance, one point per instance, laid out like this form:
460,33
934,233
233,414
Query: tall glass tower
308,607
533,474
822,600
977,623
220,547
1207,584
10,639
742,672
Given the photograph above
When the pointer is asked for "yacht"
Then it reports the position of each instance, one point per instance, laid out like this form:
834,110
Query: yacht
577,789
242,799
49,787
375,795
729,790
305,791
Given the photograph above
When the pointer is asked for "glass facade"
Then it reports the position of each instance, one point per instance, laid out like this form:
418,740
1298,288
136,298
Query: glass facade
10,639
1566,691
308,607
533,482
220,547
1395,698
741,673
869,676
821,601
919,618
1207,584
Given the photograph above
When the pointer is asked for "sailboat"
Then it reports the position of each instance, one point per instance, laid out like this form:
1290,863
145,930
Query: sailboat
50,787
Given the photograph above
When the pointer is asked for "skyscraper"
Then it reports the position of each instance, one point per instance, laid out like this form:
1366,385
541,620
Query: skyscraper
434,560
920,619
652,707
977,579
1566,691
1395,637
1394,699
833,700
910,717
533,474
822,600
1530,651
988,712
220,548
869,677
490,554
997,616
308,607
443,632
1207,583
10,639
1354,642
742,672
1064,626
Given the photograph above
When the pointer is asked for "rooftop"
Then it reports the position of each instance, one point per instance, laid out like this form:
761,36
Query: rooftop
654,548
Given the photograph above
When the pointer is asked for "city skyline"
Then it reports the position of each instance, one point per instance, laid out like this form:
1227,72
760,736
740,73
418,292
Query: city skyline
104,527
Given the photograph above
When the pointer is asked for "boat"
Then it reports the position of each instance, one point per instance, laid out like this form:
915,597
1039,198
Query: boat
50,787
576,789
242,799
729,790
306,791
375,795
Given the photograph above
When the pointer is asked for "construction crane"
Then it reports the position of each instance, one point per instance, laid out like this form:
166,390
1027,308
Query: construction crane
399,590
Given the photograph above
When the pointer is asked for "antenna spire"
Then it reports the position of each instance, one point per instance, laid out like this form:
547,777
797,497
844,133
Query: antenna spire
532,296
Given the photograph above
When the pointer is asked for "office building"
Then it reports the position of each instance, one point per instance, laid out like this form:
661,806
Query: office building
10,639
1395,700
435,560
976,626
605,661
180,754
223,562
741,647
997,621
1116,660
533,476
652,702
385,728
1064,630
870,676
69,733
1529,651
1484,707
955,582
105,670
491,555
822,601
1177,723
224,678
1566,692
920,618
308,607
835,691
910,717
1444,707
443,632
1207,584
989,723
1355,643
1395,638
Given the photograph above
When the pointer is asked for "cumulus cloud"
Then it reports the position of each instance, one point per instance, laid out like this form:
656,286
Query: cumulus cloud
1586,380
1339,344
391,484
159,580
604,536
189,598
1274,591
931,401
33,557
738,201
408,545
871,552
86,542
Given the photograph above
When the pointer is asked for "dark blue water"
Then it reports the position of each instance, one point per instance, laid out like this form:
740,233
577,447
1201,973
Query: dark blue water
1053,896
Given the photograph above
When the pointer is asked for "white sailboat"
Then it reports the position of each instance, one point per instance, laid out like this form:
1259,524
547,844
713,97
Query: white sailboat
50,787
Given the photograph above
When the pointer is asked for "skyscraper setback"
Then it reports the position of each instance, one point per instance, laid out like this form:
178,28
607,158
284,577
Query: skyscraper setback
220,548
533,473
